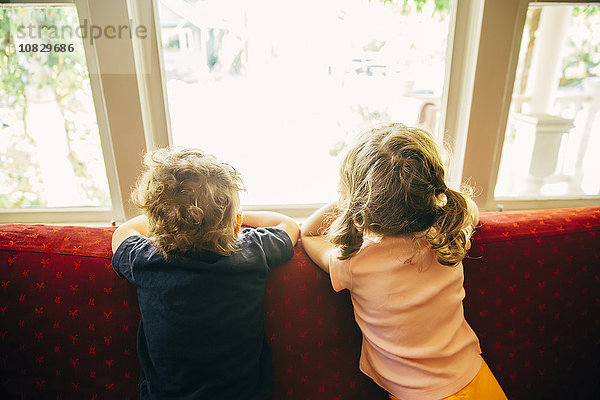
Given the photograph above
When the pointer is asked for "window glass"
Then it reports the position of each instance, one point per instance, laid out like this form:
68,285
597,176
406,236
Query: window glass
552,144
50,153
280,88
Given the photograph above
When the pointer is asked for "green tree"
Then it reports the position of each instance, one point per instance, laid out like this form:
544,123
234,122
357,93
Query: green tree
15,160
442,7
583,54
64,73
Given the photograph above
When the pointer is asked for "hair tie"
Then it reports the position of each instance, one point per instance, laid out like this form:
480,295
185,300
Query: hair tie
442,199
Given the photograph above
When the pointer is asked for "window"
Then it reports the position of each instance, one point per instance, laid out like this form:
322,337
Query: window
50,153
105,124
561,171
280,97
279,88
550,146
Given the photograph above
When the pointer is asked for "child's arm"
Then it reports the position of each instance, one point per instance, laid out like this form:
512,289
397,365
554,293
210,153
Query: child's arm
315,244
474,211
263,219
135,226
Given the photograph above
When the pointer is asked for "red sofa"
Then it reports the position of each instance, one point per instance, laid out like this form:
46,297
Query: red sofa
68,323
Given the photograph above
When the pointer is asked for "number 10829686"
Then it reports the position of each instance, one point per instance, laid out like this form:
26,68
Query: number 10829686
46,48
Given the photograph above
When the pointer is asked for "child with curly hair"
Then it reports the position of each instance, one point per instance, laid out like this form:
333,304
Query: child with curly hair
200,279
395,239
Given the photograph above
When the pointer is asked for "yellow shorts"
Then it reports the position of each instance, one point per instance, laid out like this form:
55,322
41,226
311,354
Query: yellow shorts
483,386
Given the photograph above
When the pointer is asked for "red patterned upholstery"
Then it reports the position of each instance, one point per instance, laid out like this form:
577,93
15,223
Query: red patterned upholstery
313,336
68,323
533,298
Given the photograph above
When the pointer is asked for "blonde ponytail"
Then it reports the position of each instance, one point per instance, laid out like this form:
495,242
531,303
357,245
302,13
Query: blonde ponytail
345,233
452,229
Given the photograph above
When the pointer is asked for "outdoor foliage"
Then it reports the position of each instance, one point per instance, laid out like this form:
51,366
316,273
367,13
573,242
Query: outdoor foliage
583,57
15,160
440,6
28,75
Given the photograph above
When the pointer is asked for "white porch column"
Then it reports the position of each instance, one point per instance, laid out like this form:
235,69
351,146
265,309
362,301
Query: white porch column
545,69
539,131
542,133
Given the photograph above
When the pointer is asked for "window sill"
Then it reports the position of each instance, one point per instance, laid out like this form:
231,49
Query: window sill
94,216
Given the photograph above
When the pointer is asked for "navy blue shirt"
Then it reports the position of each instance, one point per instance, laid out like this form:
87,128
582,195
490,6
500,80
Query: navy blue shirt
201,333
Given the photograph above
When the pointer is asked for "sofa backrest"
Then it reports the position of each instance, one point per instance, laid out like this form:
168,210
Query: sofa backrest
533,297
68,323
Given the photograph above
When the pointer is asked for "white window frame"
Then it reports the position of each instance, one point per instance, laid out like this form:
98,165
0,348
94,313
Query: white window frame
118,104
485,93
155,87
485,36
132,111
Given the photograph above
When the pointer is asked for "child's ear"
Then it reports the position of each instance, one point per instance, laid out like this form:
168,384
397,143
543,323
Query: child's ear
238,223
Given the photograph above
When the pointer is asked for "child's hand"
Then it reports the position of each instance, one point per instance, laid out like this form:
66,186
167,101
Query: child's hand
318,223
317,247
264,219
135,226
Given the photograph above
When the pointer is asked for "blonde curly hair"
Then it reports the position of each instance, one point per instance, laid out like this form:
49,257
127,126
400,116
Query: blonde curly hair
392,183
191,200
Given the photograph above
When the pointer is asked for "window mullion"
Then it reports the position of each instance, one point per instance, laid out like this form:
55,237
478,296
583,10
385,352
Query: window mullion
117,75
501,31
147,52
460,72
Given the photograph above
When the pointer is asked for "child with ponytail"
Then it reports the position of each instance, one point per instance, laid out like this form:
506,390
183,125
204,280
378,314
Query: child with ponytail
395,239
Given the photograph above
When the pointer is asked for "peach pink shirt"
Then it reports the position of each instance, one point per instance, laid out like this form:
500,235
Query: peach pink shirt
416,342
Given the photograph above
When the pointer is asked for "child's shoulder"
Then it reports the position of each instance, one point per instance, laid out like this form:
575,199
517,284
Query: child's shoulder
393,250
132,245
258,234
273,241
388,245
